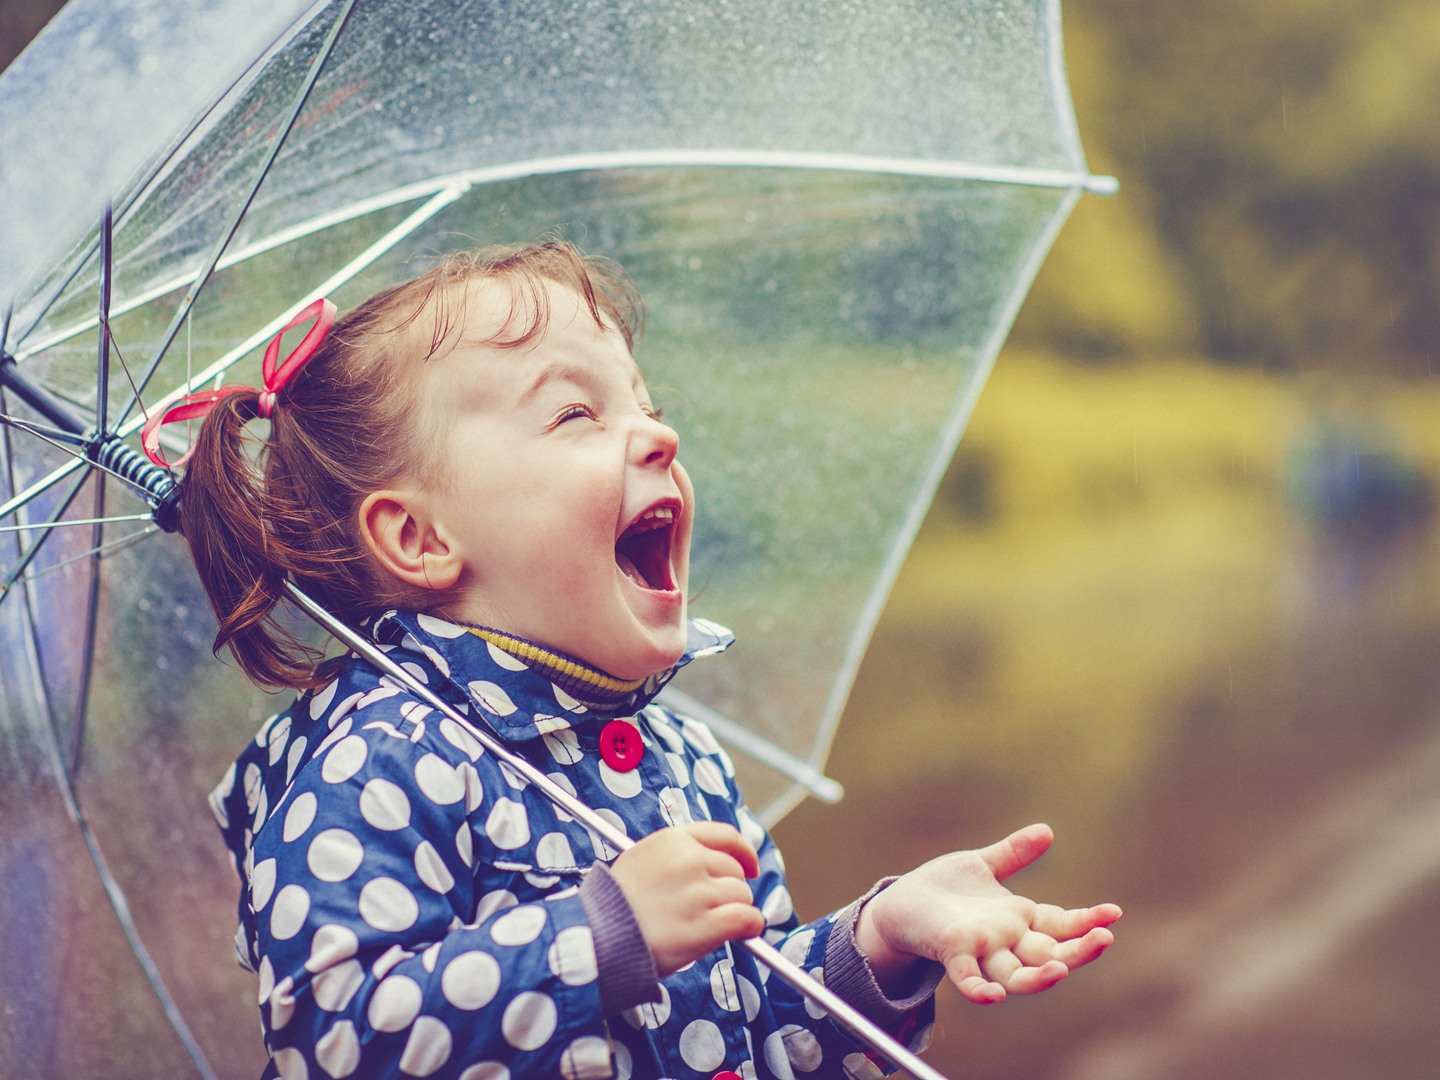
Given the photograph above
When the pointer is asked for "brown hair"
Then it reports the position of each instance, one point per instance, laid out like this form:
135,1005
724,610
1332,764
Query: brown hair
255,513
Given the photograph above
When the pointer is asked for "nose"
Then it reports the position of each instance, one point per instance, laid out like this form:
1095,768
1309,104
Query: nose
653,443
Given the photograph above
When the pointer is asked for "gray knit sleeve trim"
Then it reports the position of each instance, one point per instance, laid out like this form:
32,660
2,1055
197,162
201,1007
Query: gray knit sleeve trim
627,971
848,973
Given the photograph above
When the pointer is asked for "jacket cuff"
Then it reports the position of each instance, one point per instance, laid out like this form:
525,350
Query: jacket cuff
627,970
848,972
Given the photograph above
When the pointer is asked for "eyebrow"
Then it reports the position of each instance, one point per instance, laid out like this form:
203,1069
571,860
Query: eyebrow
574,373
555,372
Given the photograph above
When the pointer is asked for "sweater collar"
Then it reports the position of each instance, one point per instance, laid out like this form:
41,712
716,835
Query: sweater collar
522,689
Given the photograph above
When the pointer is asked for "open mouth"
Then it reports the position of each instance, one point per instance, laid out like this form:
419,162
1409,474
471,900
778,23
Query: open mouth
643,550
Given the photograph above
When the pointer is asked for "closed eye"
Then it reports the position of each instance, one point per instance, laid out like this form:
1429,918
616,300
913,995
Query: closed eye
657,413
572,412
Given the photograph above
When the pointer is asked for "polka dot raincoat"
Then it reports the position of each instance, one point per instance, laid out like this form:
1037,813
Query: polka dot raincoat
412,907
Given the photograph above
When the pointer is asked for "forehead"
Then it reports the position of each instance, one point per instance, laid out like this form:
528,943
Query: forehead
513,337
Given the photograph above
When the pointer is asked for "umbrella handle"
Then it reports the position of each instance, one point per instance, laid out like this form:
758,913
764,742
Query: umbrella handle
876,1037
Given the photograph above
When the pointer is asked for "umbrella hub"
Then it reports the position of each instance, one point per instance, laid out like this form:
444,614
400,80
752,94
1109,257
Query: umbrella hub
105,450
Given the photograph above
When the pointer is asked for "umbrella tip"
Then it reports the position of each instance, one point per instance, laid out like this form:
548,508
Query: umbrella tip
1102,185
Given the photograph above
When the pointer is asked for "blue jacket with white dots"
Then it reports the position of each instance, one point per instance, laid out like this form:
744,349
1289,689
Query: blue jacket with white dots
414,908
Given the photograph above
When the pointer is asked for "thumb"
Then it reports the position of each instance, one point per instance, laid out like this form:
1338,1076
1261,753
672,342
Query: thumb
1017,851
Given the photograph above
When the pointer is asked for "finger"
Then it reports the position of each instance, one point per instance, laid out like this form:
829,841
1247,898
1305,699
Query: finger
1017,851
735,922
1001,966
1031,980
1076,922
720,864
717,836
732,922
1081,951
1034,949
964,974
718,891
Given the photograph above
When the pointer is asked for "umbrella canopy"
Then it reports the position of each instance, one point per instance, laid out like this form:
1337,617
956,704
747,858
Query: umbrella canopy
833,213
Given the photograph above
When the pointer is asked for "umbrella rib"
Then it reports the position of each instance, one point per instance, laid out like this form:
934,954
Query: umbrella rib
448,188
44,484
943,450
92,617
617,159
108,548
74,521
424,213
113,892
44,431
142,955
316,67
355,266
79,457
34,549
136,194
102,360
5,460
97,530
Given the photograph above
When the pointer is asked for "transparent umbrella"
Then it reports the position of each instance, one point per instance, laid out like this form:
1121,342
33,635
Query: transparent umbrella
833,214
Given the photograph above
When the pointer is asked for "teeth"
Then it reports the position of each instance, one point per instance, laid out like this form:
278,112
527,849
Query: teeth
654,519
657,518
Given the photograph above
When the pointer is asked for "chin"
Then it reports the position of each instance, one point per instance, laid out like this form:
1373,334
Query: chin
640,659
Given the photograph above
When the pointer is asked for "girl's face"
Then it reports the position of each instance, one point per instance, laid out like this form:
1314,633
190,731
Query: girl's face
560,491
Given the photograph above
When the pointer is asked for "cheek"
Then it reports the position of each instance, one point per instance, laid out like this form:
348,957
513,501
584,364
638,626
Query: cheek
556,524
571,547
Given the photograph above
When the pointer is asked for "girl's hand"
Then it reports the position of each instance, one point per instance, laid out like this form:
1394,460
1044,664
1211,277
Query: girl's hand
953,909
686,887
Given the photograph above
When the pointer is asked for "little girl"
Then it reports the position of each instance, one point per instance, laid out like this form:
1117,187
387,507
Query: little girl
468,467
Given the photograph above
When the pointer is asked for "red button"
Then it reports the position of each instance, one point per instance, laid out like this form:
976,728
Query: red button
727,1075
620,747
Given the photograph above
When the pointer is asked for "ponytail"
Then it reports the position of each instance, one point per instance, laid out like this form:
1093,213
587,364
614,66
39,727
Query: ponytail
243,562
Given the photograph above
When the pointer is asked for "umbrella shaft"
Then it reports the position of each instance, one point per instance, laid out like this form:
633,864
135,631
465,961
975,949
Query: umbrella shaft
41,400
867,1030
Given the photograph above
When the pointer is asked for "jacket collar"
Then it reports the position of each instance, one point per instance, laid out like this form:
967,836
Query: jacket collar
516,699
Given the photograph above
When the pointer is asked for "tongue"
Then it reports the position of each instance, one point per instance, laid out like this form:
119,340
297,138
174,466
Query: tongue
628,569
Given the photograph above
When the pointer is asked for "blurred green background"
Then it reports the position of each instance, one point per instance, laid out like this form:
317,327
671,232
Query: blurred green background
1178,596
1180,593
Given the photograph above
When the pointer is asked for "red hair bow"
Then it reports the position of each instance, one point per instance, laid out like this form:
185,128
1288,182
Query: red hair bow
197,405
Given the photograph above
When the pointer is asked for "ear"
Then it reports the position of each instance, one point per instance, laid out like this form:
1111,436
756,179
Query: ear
407,542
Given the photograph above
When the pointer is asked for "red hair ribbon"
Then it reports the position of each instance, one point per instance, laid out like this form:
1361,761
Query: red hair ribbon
197,405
